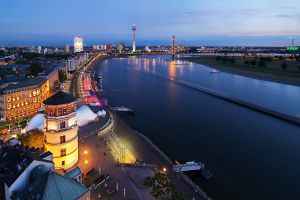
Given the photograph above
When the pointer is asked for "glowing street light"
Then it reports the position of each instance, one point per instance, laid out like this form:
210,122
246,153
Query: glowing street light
85,152
164,170
86,162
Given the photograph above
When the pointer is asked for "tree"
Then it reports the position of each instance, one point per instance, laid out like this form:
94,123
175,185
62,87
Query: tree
284,66
35,68
246,62
33,138
232,60
62,76
253,62
162,187
87,181
55,86
261,63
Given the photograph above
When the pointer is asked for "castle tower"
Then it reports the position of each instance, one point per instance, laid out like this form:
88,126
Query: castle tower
61,137
133,37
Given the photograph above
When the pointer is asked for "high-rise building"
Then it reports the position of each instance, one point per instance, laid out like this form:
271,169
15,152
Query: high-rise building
39,49
61,135
67,48
121,47
133,37
78,44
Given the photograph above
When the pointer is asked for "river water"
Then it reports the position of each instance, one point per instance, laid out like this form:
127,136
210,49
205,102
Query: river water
252,155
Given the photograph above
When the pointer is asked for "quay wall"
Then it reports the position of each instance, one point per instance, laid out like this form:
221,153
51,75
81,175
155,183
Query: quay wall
163,156
279,115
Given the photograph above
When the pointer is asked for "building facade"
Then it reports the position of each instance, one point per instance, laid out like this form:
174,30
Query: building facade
67,50
61,137
78,44
23,99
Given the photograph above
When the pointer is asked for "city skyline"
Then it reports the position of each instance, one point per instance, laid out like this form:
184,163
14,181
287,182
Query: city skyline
257,23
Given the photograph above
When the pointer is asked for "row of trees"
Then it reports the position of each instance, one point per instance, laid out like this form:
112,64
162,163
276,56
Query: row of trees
254,62
261,63
225,59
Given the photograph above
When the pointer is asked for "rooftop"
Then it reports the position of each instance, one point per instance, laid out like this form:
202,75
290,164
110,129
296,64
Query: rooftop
35,81
14,160
59,98
49,185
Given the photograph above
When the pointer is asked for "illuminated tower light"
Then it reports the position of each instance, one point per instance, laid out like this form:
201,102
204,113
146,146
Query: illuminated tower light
133,28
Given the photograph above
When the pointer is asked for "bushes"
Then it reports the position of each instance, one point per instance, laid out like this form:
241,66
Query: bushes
261,63
34,138
253,62
284,66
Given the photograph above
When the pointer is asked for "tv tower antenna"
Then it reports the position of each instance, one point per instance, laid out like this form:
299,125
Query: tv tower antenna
133,28
173,47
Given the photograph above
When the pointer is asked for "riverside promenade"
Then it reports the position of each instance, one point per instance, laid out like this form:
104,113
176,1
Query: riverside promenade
96,153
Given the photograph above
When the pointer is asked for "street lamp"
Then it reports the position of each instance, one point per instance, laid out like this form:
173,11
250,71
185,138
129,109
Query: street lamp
164,170
85,152
86,162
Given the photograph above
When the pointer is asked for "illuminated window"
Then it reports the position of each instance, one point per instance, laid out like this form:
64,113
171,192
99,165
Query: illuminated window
34,93
63,163
63,152
8,99
62,125
62,139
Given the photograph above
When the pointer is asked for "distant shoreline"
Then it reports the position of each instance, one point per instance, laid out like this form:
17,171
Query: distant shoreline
251,74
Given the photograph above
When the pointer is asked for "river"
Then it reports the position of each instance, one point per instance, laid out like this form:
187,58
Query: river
252,155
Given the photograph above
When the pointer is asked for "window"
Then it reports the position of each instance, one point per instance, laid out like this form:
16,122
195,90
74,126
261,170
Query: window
63,152
62,125
62,139
63,163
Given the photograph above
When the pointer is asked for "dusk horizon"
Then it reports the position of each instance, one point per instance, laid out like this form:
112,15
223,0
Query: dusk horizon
232,23
150,100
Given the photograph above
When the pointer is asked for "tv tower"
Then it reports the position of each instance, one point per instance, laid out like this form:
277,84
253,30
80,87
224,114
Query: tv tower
173,47
133,28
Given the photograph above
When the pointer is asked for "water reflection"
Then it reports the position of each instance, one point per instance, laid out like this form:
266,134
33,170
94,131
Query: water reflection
172,70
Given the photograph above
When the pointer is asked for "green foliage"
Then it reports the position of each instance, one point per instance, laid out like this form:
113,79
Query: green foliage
35,68
34,138
232,60
284,66
162,187
253,62
55,86
87,181
261,63
30,55
62,76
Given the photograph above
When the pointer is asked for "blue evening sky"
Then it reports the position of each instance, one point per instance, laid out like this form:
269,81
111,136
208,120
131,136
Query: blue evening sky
194,22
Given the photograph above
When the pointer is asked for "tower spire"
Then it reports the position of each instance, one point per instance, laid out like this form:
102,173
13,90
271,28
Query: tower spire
133,37
173,47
